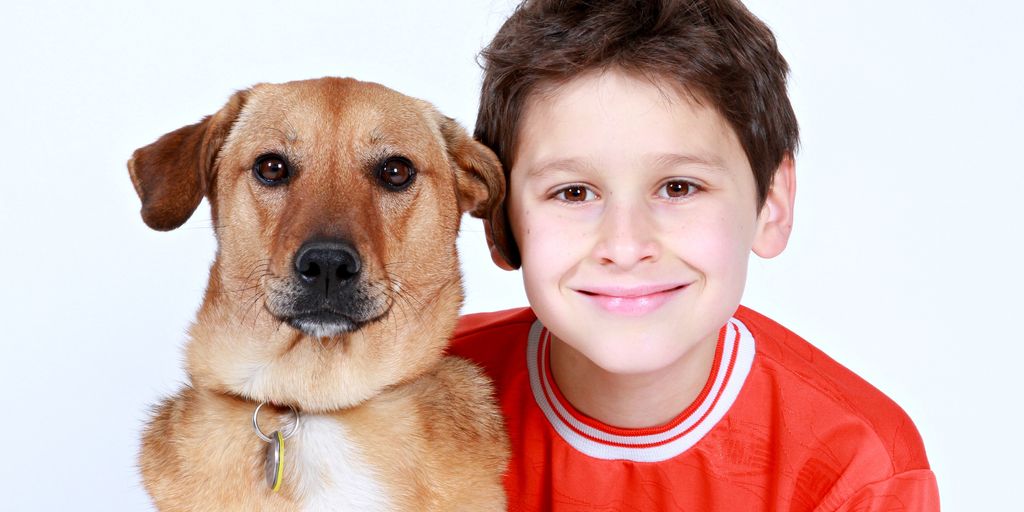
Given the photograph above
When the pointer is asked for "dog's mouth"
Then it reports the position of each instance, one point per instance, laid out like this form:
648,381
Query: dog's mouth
323,323
325,317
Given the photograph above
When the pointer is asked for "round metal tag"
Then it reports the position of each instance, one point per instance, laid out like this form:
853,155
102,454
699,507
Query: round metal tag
274,465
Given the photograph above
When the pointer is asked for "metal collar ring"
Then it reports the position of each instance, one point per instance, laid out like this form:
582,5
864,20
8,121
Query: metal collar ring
286,435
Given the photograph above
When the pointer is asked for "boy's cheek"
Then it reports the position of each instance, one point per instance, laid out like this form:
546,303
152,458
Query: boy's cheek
550,244
710,239
545,228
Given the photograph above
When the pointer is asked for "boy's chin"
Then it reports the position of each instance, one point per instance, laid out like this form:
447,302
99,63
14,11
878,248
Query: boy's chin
638,356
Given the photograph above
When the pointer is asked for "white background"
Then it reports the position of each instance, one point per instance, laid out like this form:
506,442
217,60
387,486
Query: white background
904,264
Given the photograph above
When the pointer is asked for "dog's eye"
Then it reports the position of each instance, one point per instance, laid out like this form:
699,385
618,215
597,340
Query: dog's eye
271,169
397,173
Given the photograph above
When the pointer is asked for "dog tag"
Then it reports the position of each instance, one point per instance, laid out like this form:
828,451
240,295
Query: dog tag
274,466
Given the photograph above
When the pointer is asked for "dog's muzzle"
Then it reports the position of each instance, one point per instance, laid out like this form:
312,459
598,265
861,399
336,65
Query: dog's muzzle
329,296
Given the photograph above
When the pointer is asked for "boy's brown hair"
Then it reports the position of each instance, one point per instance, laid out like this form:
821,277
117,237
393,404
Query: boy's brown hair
716,50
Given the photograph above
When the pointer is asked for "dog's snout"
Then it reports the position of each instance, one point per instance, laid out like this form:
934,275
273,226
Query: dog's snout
327,264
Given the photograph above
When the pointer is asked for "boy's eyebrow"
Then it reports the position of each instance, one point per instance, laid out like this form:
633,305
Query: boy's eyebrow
670,160
558,164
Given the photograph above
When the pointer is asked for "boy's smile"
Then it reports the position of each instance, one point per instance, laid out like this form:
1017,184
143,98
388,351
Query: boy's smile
635,210
631,301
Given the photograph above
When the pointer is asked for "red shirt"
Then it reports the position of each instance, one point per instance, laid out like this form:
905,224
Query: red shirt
778,426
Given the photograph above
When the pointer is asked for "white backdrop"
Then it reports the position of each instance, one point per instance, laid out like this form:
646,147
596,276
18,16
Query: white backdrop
904,264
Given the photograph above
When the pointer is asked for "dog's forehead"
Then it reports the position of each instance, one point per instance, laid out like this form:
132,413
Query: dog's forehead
340,107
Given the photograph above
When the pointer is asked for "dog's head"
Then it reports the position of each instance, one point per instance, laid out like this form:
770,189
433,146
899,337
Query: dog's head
336,205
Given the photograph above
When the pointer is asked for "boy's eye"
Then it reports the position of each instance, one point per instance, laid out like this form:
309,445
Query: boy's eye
575,194
677,189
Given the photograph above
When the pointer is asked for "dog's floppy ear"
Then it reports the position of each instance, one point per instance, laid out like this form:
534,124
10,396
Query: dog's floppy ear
482,185
173,174
481,188
480,182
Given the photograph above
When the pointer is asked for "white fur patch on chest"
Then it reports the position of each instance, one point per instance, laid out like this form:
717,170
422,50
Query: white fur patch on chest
330,473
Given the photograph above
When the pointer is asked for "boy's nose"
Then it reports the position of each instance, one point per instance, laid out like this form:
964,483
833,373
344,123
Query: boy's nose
627,236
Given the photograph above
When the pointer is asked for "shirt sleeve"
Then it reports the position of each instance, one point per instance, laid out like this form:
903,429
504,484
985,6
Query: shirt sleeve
911,491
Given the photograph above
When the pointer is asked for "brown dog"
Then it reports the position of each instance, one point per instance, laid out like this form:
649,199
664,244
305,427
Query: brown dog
335,288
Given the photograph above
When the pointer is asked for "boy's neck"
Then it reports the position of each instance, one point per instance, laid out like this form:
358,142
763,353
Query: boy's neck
642,400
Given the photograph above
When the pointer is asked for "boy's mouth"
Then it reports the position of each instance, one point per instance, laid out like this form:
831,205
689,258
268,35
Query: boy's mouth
631,301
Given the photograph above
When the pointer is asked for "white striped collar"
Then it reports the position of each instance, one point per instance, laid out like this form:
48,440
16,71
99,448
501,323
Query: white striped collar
733,359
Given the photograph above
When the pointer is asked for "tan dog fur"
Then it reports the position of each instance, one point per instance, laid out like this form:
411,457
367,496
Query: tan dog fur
419,425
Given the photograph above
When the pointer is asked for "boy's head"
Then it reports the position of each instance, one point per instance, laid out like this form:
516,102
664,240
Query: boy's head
647,150
715,51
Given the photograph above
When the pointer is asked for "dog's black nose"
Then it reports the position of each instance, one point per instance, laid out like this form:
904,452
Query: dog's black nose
327,264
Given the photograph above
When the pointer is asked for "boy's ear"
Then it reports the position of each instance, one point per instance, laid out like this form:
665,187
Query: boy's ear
481,189
173,174
775,220
502,255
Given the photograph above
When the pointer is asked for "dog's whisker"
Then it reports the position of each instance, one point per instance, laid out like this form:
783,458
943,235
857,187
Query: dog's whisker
406,299
240,290
259,266
394,307
252,281
436,296
400,287
255,300
254,310
400,317
412,302
397,294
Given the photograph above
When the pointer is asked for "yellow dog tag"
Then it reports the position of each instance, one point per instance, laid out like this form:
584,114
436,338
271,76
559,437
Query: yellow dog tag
274,466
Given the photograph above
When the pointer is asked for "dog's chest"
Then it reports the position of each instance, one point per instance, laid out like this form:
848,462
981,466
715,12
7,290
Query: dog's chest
330,472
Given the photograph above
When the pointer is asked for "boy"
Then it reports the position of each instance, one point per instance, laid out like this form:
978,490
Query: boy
648,149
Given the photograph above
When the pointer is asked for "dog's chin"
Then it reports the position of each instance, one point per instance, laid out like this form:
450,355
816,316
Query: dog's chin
323,324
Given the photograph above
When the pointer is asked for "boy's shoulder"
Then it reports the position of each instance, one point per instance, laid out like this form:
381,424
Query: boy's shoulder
497,342
474,324
831,398
489,337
